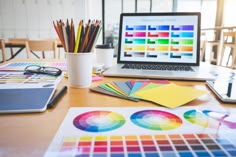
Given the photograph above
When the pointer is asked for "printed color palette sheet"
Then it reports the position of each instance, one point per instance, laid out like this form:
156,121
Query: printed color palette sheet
21,80
151,132
16,66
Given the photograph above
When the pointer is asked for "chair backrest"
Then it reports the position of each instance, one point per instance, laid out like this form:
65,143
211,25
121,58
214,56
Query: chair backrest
203,40
41,45
229,37
229,40
18,40
2,48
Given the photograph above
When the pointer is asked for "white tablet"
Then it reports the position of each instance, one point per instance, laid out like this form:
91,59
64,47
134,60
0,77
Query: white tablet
225,90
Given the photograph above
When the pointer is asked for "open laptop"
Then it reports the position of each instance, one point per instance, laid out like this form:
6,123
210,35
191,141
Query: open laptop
159,45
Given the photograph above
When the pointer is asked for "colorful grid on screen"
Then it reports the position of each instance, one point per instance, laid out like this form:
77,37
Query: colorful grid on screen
158,145
21,65
161,39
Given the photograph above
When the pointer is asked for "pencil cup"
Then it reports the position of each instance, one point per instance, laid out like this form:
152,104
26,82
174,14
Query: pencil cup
104,55
79,68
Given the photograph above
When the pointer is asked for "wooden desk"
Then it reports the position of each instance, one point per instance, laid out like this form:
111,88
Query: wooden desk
30,134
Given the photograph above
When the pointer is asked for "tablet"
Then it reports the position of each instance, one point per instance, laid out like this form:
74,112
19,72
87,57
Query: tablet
225,90
25,100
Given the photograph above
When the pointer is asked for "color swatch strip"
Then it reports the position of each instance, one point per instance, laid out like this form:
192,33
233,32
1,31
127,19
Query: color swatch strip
182,145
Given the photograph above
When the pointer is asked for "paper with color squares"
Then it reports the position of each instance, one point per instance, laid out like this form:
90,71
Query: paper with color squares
170,95
144,131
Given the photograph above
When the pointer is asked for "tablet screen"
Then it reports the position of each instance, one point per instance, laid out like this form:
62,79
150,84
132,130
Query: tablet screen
225,90
25,100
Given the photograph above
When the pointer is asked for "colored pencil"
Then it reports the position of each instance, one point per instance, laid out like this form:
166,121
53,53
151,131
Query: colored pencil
86,35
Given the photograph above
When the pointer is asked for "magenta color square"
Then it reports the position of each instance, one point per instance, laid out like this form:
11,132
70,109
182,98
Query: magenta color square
133,149
149,148
117,149
100,149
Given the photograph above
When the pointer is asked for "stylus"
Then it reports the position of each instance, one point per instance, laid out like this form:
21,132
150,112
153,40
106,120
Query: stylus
57,97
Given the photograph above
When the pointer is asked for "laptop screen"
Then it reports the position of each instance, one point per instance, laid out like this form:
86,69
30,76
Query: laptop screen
170,38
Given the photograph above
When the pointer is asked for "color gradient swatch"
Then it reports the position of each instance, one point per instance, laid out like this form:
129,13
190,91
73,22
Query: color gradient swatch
159,145
156,120
98,121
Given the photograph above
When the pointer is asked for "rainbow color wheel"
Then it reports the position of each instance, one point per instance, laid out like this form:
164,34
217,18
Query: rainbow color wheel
98,121
156,120
197,117
208,118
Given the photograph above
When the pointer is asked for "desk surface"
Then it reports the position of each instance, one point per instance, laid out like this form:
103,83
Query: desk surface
30,134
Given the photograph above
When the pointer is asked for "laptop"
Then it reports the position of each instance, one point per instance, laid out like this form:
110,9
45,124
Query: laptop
159,45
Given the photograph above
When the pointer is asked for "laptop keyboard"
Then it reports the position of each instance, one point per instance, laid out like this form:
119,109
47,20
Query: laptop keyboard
157,67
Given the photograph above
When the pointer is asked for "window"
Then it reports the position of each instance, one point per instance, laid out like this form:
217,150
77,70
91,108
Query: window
229,13
113,8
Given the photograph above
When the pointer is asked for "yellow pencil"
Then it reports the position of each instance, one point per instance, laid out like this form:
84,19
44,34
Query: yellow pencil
78,37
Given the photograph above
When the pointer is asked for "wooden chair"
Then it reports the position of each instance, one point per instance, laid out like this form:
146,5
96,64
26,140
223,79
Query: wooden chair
229,40
19,41
2,48
59,45
205,43
203,46
41,45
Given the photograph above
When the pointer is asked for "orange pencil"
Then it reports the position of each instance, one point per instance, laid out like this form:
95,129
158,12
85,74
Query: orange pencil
86,37
72,37
58,33
59,26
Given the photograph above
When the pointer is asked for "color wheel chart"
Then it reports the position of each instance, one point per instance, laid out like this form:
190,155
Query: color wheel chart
156,120
118,132
159,41
99,121
208,118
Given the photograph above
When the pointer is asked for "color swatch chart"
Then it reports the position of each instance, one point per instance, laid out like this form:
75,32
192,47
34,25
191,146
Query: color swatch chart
150,132
19,79
16,66
171,145
159,41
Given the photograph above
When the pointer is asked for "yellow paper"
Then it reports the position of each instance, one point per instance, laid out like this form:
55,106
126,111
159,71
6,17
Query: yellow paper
171,95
